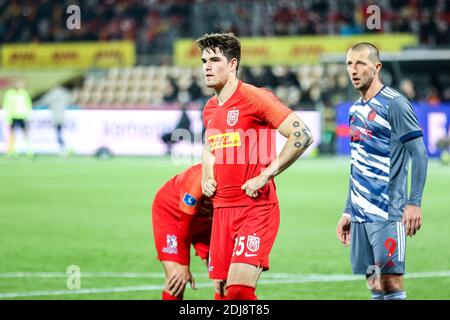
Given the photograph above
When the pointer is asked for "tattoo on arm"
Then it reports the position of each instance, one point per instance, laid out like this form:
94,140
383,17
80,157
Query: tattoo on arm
309,138
302,136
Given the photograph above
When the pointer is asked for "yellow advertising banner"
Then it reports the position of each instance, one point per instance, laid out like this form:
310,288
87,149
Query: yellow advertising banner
294,50
78,55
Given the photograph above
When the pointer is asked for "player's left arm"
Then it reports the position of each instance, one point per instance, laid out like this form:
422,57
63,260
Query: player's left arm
412,214
299,138
405,124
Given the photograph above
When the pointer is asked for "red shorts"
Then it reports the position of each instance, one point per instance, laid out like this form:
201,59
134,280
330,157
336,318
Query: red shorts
242,235
166,230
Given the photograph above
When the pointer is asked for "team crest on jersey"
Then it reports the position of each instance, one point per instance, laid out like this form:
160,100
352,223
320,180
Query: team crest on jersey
189,200
232,117
253,243
172,244
372,114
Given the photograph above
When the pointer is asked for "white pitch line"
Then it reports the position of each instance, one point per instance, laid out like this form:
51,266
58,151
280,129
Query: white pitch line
278,278
342,277
10,275
158,275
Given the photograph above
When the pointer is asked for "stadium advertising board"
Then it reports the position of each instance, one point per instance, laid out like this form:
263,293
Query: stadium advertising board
434,121
294,50
77,55
125,132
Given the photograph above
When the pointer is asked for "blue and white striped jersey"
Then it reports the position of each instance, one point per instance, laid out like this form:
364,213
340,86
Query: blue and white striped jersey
379,160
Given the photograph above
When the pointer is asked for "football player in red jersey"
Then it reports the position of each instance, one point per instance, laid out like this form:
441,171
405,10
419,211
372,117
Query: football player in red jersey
239,164
181,216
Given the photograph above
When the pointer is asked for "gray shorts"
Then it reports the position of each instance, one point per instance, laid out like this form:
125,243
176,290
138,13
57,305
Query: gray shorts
380,243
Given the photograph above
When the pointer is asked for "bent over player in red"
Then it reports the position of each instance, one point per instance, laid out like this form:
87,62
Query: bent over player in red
239,164
182,216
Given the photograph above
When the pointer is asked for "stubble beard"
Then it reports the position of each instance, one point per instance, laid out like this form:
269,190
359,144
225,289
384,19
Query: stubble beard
364,86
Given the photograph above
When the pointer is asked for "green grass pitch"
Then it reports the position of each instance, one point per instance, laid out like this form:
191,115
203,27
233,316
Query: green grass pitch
95,214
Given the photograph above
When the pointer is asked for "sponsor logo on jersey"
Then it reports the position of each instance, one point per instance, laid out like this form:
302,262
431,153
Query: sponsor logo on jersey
225,140
253,243
172,244
232,118
189,200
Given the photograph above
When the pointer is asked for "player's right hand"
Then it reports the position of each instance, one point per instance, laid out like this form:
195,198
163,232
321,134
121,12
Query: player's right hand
209,187
343,230
178,280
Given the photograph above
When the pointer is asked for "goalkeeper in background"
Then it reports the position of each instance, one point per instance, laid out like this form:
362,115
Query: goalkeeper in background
182,216
18,110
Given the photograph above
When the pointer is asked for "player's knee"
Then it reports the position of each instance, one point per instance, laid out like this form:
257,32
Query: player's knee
240,292
392,283
243,274
169,267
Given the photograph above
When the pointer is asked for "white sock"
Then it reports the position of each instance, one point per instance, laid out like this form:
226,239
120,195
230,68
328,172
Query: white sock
396,295
377,295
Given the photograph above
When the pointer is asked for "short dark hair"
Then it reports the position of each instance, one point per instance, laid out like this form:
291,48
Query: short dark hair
228,44
374,54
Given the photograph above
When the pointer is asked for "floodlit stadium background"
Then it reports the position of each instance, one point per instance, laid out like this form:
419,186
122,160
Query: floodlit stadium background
132,66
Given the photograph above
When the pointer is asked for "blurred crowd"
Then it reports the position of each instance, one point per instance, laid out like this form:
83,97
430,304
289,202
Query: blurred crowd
304,87
155,24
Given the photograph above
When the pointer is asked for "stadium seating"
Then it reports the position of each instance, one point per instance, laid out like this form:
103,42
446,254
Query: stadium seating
147,86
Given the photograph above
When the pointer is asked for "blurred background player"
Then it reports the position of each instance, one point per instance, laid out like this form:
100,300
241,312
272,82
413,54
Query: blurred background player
58,100
18,111
182,129
384,136
182,216
239,166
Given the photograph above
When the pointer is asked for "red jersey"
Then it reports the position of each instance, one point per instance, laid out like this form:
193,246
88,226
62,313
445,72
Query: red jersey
183,193
242,134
